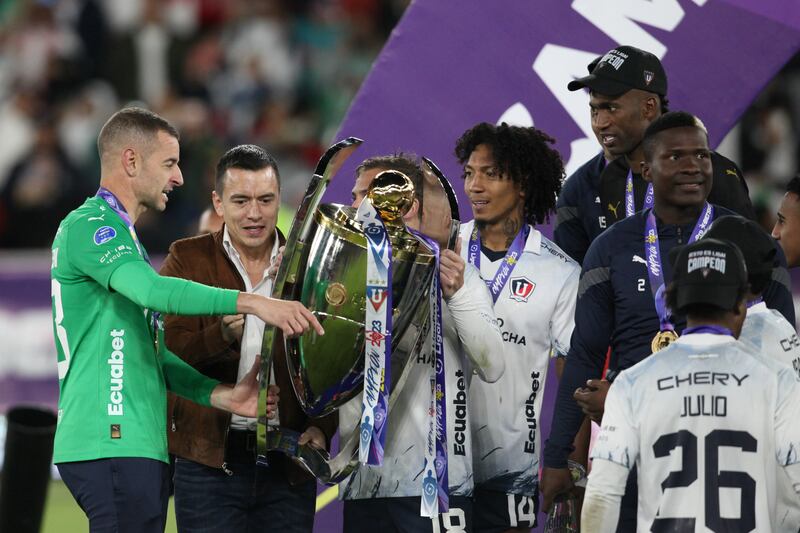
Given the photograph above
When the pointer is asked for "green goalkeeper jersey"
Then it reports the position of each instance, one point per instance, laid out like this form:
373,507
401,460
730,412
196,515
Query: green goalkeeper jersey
113,366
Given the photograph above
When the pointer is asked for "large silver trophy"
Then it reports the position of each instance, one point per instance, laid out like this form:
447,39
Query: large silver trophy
324,267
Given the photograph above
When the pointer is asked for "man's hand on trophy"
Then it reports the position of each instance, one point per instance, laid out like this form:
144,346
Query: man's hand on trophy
451,270
291,317
242,399
272,271
232,327
313,436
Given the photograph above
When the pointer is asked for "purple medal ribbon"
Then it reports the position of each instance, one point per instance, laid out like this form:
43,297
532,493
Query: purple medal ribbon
655,271
116,206
630,205
440,395
509,261
716,330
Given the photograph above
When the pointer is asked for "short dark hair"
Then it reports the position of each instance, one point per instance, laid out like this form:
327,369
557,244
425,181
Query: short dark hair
405,162
667,121
524,155
794,185
245,157
132,122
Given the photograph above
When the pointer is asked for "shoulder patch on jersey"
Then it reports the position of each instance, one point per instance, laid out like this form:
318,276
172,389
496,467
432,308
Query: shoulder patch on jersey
104,234
521,288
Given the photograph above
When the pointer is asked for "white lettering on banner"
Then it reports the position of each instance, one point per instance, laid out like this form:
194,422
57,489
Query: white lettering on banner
558,65
116,364
618,20
517,115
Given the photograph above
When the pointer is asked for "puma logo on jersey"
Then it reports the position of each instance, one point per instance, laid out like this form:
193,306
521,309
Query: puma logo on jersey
731,172
96,218
613,209
637,259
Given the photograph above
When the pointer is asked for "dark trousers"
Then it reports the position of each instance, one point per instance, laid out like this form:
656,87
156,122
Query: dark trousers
251,499
401,515
121,494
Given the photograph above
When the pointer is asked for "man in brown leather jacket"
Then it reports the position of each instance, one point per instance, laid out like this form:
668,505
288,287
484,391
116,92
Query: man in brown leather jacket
218,486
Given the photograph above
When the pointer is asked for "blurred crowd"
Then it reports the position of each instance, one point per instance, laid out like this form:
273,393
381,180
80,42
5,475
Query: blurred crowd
278,73
769,141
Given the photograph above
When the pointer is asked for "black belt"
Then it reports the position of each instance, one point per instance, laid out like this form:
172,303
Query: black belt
241,443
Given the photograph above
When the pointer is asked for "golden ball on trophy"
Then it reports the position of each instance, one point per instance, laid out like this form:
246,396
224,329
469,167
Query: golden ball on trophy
392,194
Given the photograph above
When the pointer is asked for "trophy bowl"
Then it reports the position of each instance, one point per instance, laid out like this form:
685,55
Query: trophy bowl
324,266
328,370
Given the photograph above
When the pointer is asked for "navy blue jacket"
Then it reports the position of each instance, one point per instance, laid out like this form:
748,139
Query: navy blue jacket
579,213
728,188
593,199
615,308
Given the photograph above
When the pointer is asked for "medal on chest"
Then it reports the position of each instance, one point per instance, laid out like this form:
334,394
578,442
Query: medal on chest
655,271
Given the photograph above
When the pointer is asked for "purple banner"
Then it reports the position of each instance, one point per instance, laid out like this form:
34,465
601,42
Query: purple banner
450,64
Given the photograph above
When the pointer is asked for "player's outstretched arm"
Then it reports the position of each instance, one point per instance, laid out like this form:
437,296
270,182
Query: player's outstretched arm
291,317
142,285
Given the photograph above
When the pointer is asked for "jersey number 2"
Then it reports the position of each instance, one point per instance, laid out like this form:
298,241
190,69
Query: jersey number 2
714,478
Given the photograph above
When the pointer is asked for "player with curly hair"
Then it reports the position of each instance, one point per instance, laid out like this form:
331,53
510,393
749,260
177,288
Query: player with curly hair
512,176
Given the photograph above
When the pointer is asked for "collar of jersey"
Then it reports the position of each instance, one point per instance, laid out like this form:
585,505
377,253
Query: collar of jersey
704,339
760,307
533,244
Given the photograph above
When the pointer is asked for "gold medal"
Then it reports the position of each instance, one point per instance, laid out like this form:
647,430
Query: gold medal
663,339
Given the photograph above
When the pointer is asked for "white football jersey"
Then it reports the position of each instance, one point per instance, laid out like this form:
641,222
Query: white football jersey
705,420
536,313
471,338
771,335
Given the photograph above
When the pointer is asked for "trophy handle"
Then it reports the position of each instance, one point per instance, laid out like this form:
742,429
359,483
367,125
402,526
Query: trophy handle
329,164
448,188
452,199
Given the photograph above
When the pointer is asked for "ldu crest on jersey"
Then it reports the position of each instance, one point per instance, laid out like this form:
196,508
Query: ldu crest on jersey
521,289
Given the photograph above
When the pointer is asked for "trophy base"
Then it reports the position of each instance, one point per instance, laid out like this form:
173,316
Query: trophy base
310,458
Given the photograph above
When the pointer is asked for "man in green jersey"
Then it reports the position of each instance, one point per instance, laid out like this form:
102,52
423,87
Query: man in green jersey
113,366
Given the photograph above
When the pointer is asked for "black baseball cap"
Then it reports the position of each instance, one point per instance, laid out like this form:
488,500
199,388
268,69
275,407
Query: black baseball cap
758,248
709,271
622,69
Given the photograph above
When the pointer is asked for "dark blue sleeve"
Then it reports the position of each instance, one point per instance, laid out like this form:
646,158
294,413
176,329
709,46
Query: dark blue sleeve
569,233
594,321
778,294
